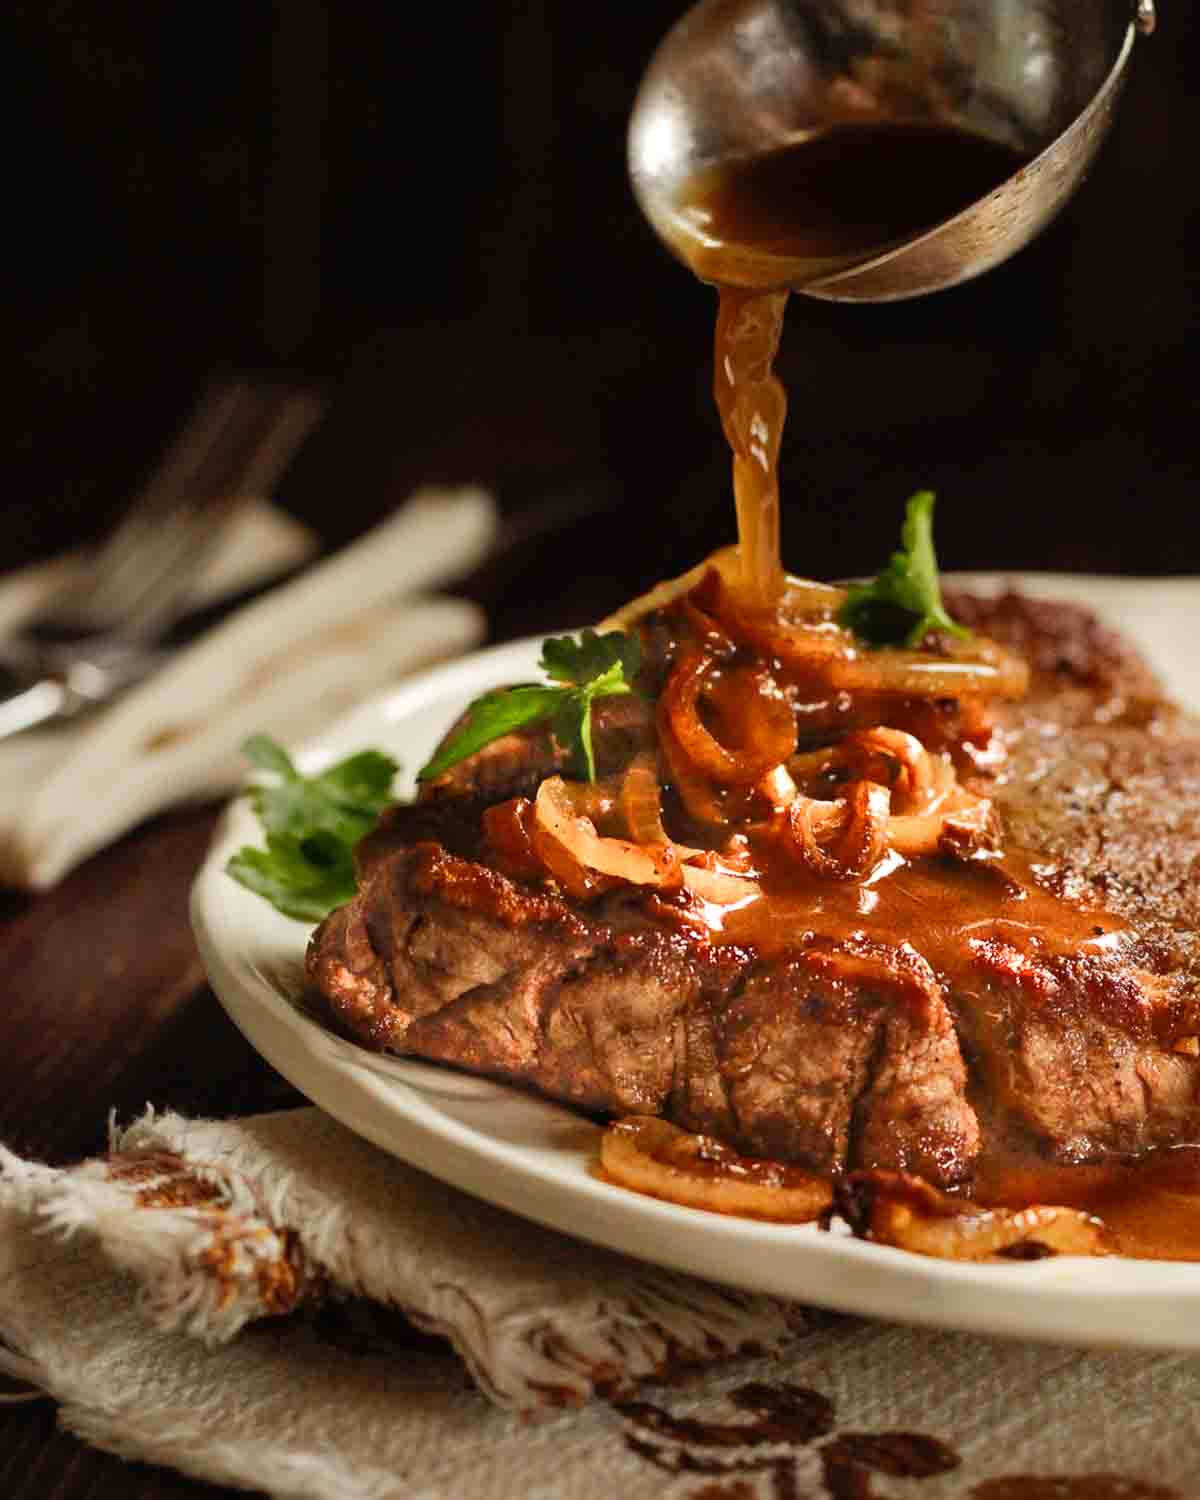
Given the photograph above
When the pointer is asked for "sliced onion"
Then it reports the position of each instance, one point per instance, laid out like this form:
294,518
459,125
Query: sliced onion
640,800
764,716
703,629
594,800
567,868
777,788
808,823
802,634
914,786
652,1156
694,792
721,887
841,840
894,1208
962,824
755,712
809,650
558,824
863,841
979,667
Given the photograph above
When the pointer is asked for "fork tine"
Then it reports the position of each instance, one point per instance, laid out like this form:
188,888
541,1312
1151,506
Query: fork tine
147,562
237,443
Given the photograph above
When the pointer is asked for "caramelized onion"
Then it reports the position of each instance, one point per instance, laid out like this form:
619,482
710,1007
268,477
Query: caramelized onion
912,781
721,887
694,792
977,667
704,630
757,711
813,765
802,634
962,824
756,715
777,788
560,831
655,1157
594,800
863,841
842,840
640,800
894,1208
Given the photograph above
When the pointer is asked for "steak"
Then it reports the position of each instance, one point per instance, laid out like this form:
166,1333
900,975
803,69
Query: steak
854,1047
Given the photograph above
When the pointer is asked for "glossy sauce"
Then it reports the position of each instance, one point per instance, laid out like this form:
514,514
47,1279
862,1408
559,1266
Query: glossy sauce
795,215
931,904
1150,1203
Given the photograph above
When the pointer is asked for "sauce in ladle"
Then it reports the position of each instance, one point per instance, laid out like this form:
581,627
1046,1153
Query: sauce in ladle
792,216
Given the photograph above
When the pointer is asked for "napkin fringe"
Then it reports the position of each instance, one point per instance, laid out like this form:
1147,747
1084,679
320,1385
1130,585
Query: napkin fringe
222,1223
200,1270
660,1323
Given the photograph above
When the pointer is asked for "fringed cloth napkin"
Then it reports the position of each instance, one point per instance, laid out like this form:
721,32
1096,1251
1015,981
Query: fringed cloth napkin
225,1298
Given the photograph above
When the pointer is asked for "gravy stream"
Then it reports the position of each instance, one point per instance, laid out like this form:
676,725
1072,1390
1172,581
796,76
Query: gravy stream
815,206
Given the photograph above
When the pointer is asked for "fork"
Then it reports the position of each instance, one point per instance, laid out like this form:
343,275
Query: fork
102,632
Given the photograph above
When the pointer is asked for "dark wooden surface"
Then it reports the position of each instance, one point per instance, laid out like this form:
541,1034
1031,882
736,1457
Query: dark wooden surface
454,255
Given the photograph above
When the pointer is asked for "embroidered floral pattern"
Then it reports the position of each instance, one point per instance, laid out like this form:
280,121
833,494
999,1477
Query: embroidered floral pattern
790,1429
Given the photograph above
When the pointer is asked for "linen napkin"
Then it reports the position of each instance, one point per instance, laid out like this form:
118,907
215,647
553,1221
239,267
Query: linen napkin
287,663
128,1286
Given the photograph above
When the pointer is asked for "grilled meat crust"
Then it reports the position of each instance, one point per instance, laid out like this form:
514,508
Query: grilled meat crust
839,1054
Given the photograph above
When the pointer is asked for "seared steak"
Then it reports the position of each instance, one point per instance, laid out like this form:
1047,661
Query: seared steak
906,1049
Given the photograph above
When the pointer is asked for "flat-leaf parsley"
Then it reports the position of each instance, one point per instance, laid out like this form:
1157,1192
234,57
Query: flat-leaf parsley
312,824
594,666
905,601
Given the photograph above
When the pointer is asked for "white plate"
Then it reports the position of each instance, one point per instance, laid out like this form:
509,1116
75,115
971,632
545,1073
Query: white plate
535,1158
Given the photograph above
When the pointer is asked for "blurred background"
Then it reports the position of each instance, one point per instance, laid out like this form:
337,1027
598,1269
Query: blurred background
424,209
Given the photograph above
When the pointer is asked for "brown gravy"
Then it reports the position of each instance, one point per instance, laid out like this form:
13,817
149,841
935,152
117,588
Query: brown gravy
1151,1203
930,904
833,199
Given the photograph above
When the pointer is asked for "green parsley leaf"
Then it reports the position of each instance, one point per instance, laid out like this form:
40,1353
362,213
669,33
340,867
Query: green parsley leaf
594,666
489,717
592,658
905,601
312,824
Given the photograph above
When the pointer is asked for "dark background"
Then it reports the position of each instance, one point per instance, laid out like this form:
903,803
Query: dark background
425,208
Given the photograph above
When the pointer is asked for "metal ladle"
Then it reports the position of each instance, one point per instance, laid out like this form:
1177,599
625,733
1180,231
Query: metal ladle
734,79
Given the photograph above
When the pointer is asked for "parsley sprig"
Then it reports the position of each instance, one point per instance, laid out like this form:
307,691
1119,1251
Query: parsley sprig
594,666
312,824
904,601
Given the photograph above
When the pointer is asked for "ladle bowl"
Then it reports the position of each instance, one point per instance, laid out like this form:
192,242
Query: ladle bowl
735,79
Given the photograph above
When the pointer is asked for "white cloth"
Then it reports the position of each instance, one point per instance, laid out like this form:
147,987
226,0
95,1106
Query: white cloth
124,1282
284,663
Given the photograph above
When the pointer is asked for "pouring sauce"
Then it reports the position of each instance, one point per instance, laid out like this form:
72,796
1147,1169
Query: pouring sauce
789,217
757,229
